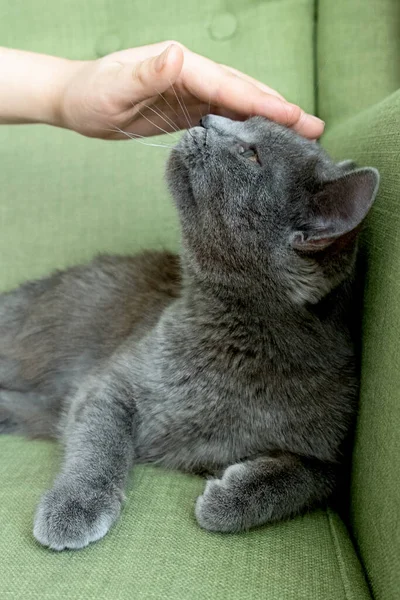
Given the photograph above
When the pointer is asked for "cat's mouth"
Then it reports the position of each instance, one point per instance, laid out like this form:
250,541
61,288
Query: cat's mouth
192,146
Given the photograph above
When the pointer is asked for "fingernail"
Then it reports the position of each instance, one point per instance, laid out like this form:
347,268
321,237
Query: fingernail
315,120
161,60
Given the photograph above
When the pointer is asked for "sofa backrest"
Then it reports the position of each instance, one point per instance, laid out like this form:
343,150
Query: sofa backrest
357,52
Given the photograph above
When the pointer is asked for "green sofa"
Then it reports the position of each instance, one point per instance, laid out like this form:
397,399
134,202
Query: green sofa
63,198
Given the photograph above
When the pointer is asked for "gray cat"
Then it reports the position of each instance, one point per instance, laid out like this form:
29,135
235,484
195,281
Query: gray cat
234,359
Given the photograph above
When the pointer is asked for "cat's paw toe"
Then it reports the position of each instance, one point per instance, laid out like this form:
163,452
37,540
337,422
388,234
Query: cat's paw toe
72,519
222,506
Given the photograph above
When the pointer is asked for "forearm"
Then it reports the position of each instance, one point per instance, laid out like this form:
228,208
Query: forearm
31,85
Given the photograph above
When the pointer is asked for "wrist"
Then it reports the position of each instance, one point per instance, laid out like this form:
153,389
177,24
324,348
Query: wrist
63,72
32,86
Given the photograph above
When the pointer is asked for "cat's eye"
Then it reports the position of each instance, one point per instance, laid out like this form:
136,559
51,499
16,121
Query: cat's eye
249,153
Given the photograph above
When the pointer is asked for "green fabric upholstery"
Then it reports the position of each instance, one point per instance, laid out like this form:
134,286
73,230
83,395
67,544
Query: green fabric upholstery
157,551
358,50
373,138
63,198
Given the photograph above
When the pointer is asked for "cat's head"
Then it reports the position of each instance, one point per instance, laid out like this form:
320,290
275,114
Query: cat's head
261,206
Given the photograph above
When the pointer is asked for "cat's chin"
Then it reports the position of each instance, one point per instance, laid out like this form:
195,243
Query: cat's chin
178,179
177,170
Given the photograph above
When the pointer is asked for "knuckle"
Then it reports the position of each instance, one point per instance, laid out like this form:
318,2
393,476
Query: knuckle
294,114
140,73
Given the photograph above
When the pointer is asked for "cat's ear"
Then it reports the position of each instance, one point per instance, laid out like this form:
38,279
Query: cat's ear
337,209
346,165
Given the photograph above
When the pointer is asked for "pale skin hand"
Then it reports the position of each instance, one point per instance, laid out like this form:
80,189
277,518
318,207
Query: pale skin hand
137,91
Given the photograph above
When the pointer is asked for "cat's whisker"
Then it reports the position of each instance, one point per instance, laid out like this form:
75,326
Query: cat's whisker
154,124
183,111
166,101
139,138
186,111
163,116
173,109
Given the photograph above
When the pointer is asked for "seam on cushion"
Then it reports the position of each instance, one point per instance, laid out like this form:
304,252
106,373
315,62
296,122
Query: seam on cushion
339,558
315,58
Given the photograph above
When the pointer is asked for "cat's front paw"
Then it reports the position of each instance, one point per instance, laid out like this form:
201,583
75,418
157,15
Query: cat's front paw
72,517
224,505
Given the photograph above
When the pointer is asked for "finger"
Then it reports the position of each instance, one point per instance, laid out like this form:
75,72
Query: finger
243,97
138,82
212,83
292,116
253,101
259,84
134,55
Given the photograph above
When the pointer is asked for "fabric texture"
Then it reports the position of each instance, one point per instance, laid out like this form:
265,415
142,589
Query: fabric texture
373,138
157,551
358,50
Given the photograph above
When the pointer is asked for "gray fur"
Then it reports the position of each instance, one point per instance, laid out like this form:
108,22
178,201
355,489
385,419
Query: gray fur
234,359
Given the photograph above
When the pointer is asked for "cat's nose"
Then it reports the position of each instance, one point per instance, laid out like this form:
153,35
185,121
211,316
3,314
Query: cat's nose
204,120
220,124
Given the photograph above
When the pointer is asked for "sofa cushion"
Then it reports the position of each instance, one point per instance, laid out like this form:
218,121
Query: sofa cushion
358,49
157,551
373,138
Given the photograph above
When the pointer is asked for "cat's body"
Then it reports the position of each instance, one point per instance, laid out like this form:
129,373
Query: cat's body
236,359
131,317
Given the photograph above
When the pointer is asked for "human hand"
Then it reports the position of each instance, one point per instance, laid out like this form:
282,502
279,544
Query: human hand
164,87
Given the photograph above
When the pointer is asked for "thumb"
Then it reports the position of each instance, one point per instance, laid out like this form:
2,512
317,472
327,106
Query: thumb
149,77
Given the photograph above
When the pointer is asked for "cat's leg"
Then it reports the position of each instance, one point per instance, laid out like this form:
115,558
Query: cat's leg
87,495
263,490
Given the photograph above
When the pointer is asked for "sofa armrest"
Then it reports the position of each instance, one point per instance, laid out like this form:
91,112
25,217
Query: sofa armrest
373,138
